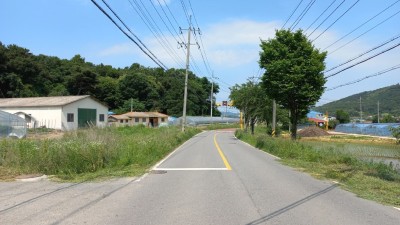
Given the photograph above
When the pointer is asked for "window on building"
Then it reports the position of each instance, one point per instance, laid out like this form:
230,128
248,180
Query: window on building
70,117
136,120
126,121
101,117
144,119
162,119
121,121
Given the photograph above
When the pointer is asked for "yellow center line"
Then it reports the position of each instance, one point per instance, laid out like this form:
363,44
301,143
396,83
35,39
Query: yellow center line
228,167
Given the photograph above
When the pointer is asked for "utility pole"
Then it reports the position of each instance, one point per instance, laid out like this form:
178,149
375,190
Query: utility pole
360,111
378,111
273,117
187,45
212,95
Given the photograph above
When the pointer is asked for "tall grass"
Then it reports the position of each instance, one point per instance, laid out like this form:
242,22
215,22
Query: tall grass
92,150
376,181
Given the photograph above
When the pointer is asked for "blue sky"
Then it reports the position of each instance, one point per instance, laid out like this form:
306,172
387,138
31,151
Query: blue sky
231,32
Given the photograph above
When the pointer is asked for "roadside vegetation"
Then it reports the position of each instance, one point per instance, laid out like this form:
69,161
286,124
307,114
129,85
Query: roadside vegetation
92,153
375,181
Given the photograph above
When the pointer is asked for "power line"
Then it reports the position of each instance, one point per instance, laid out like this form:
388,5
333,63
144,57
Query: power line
319,16
126,34
366,77
205,58
364,53
131,31
364,32
337,7
302,14
361,25
292,14
336,20
364,60
186,12
155,30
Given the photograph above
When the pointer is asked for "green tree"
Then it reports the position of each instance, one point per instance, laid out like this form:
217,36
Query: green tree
293,75
387,118
251,100
342,116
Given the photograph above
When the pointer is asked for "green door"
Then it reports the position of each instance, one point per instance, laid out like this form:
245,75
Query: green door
86,117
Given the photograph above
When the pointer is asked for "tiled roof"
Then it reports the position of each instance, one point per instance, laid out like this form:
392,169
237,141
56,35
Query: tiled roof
39,101
120,117
145,114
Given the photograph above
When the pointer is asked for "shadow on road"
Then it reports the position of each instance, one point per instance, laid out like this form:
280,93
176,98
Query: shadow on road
291,206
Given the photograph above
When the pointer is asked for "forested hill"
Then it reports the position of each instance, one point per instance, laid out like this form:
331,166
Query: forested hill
23,74
388,97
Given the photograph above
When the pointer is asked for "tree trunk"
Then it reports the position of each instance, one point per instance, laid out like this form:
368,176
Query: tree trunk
252,122
293,128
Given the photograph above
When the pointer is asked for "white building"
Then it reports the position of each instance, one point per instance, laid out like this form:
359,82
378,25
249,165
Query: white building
61,113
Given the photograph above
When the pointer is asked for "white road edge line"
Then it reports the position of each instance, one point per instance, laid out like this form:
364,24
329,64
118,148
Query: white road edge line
163,160
190,169
397,208
276,157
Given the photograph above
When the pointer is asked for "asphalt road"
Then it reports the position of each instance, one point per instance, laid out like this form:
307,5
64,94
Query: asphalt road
211,179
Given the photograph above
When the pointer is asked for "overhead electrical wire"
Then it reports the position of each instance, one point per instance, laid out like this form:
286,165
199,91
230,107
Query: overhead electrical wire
385,20
162,34
300,17
336,20
361,25
156,31
305,31
366,77
337,7
155,60
186,12
292,14
202,49
364,60
364,53
116,15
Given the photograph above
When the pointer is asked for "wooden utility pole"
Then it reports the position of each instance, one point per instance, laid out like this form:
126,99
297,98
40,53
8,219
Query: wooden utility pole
273,117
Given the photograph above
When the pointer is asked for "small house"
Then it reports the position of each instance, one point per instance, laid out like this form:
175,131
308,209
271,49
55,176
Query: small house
148,119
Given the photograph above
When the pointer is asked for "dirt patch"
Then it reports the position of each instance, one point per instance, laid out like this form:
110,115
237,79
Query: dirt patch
312,132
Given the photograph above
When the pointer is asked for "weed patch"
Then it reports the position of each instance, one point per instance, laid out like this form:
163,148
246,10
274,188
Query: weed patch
93,152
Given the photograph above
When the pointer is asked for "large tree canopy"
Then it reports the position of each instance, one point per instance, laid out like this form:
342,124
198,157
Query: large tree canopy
23,74
293,73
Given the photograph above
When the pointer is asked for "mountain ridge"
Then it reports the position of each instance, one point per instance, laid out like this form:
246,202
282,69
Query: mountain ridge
388,98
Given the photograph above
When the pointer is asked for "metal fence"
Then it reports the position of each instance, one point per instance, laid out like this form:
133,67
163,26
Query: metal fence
12,125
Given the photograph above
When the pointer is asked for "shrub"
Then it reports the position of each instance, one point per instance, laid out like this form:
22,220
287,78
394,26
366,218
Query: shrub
396,133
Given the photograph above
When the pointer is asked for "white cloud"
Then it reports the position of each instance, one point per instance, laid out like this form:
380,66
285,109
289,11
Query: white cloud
119,49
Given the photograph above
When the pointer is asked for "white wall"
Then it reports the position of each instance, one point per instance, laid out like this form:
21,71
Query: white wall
86,103
49,117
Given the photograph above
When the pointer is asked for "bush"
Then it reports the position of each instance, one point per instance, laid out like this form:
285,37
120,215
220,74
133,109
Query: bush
396,133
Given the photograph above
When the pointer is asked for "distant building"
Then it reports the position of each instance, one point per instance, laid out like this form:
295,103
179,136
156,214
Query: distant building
61,112
149,119
316,117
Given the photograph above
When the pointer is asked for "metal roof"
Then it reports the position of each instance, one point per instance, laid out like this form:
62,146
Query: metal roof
39,101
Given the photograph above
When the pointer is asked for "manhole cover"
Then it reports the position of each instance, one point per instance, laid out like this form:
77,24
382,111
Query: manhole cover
158,171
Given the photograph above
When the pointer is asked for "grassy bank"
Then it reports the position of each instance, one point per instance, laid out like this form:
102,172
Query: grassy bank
375,181
87,154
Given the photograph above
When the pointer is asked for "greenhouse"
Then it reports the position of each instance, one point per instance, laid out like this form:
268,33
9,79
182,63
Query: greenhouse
202,120
12,125
375,129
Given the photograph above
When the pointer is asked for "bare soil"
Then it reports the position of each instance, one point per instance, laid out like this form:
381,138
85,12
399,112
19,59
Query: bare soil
312,132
